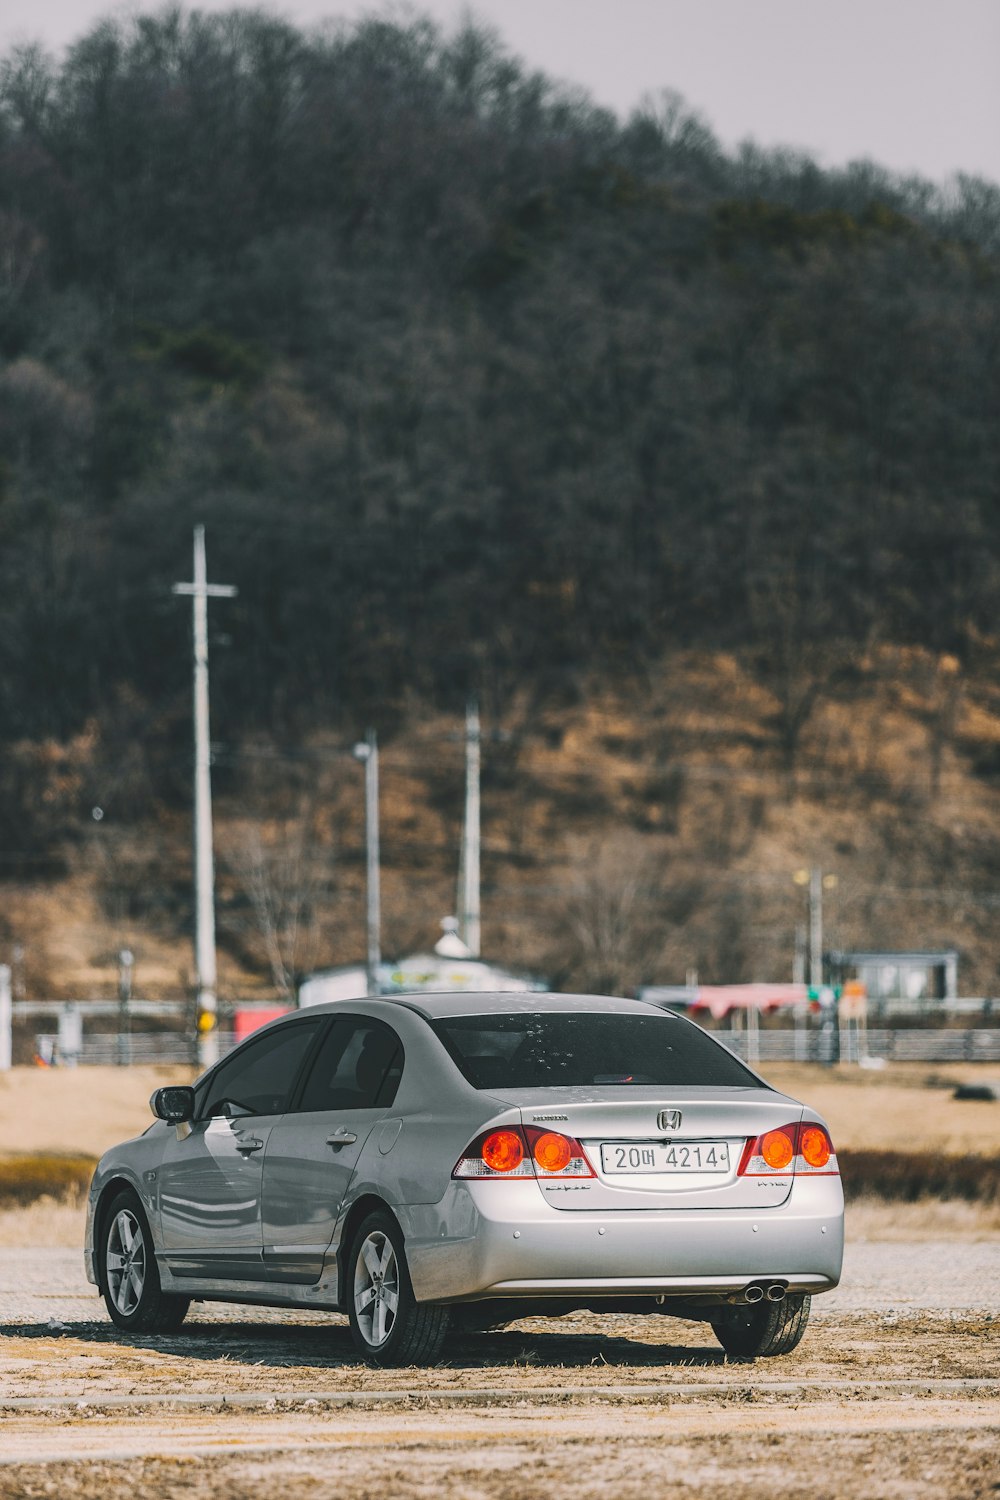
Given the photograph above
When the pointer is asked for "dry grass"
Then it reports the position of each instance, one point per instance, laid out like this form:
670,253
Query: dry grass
872,1220
48,1224
60,1225
24,1179
86,1109
687,759
906,1107
45,1224
910,1176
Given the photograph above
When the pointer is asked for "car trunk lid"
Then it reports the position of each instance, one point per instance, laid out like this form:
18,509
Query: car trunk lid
654,1150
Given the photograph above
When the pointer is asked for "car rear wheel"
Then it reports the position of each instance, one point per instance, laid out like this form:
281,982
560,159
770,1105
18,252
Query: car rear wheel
130,1278
388,1325
765,1328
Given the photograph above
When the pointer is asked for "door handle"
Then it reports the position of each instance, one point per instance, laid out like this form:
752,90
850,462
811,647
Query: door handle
245,1144
341,1137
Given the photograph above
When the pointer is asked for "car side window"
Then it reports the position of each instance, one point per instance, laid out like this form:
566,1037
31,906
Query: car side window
358,1066
258,1079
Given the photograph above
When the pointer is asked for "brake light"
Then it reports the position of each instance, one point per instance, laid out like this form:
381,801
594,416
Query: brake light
815,1146
551,1152
503,1150
777,1150
511,1152
496,1153
557,1155
797,1150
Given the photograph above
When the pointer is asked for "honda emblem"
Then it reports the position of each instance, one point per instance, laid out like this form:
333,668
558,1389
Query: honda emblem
669,1119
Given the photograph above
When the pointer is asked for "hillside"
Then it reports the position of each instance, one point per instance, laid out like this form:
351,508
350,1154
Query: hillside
628,837
686,463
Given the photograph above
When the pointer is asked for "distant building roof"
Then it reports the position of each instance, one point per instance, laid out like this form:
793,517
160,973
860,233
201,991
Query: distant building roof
439,972
417,972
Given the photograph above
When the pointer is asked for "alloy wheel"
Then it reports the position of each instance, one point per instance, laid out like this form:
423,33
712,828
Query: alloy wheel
126,1262
376,1288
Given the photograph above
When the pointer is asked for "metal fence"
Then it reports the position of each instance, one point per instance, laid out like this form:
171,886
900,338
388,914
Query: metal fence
150,1048
894,1046
787,1045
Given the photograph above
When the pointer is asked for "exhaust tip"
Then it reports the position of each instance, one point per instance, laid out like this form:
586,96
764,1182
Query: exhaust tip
754,1293
776,1292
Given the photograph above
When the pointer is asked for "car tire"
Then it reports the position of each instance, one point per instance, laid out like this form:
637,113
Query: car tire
388,1325
129,1275
766,1328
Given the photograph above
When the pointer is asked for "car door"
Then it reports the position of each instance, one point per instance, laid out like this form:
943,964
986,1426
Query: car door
209,1176
313,1150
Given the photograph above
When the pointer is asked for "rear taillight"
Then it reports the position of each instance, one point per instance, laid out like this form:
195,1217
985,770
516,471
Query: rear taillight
557,1155
513,1152
815,1148
503,1150
496,1153
795,1150
777,1150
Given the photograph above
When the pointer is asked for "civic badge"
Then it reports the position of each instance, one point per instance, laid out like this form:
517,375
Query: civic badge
669,1119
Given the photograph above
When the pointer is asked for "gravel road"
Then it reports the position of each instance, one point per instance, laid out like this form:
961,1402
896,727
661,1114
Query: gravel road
894,1394
938,1279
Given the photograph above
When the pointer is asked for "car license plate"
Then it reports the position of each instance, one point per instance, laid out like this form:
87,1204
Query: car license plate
655,1156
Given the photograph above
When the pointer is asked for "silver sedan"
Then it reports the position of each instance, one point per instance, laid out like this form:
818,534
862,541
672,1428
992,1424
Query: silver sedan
436,1161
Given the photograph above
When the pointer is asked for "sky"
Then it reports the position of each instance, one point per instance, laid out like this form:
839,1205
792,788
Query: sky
913,84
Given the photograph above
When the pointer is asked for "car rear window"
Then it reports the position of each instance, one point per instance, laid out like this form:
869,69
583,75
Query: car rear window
556,1049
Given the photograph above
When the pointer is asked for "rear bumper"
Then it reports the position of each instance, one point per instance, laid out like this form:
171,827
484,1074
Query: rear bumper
503,1240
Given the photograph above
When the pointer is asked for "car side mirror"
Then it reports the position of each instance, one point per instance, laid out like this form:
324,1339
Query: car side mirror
174,1104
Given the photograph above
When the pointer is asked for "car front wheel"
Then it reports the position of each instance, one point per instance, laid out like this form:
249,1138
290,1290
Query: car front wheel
130,1278
765,1328
388,1325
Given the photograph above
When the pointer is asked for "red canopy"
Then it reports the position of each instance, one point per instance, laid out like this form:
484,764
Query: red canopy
720,999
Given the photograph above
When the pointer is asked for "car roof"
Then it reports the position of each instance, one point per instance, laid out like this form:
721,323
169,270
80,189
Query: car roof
433,1006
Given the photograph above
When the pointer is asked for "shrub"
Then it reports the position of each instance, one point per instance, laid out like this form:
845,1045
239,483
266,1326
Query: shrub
908,1176
23,1179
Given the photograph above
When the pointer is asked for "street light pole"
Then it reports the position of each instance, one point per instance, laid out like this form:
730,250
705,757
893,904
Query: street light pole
468,893
367,752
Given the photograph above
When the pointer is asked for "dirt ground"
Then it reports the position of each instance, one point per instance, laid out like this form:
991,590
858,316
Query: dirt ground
743,1459
79,1110
905,1107
579,1407
891,1396
753,1447
883,1398
908,1106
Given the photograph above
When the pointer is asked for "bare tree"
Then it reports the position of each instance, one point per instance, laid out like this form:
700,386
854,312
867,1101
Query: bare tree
802,657
944,692
611,921
284,874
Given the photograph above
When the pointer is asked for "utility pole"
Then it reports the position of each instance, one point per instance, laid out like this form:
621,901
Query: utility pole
799,958
126,961
468,869
816,927
200,591
367,753
817,883
6,1019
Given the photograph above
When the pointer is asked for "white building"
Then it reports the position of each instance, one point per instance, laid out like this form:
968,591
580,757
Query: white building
448,968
